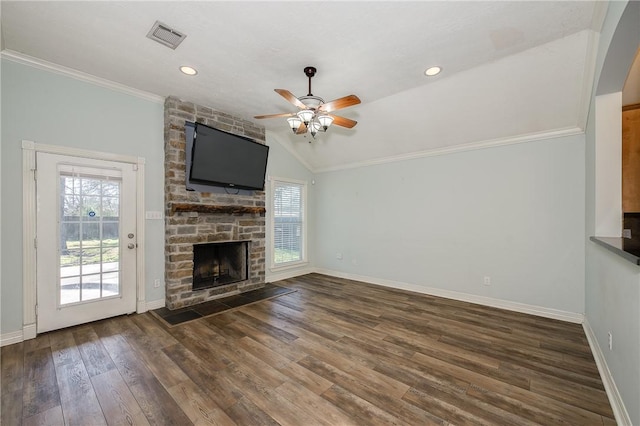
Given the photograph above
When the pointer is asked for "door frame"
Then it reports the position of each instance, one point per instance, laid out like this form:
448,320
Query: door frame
29,296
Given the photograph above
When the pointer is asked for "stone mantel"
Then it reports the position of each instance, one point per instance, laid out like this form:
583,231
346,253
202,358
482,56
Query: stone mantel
209,208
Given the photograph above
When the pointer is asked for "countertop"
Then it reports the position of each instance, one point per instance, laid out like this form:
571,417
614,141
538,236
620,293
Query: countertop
625,247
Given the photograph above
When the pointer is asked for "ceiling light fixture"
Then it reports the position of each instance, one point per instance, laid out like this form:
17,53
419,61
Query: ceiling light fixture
188,70
430,72
315,115
325,121
311,117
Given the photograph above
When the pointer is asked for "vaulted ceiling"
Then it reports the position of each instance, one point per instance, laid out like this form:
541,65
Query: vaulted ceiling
512,70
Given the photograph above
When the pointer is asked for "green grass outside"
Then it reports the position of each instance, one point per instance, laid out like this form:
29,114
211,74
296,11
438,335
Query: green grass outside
283,255
90,252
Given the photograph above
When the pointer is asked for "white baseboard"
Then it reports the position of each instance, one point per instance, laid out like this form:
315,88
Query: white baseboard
283,275
155,304
18,336
29,330
615,399
463,297
11,338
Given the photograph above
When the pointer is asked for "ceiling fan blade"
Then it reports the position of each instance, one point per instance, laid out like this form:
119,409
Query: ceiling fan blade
342,121
291,98
286,114
337,104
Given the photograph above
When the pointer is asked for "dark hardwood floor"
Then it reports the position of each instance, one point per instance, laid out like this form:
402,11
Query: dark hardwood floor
334,352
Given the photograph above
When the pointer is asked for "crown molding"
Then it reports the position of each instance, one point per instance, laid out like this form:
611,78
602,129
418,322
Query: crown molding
600,9
531,137
31,61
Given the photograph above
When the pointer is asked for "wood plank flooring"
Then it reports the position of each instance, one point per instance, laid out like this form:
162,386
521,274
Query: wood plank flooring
334,352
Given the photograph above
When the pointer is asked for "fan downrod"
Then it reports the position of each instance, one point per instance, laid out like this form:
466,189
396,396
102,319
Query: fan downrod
310,72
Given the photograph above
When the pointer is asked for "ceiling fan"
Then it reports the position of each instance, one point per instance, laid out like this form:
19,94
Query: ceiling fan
314,115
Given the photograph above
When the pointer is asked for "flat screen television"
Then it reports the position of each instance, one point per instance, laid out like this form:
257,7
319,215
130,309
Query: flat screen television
226,160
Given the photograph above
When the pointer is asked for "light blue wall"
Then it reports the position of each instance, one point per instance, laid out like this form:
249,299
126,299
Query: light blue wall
613,284
52,109
514,213
613,305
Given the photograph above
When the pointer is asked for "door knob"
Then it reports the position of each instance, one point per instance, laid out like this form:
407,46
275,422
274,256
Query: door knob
131,245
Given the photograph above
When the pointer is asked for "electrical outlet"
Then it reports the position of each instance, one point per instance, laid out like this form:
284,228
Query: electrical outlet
156,283
610,341
339,256
487,280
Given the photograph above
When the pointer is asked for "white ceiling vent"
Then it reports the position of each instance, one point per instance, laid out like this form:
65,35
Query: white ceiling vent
164,35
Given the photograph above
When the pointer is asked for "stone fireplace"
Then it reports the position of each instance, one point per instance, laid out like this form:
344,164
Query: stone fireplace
193,219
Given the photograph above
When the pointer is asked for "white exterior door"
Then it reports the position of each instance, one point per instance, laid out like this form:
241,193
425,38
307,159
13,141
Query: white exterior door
86,240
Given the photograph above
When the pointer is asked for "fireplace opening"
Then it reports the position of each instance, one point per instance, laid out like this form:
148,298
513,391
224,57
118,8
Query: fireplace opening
218,264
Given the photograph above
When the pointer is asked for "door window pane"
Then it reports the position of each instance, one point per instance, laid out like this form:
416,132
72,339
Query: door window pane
91,208
91,287
90,235
110,284
70,290
110,208
89,238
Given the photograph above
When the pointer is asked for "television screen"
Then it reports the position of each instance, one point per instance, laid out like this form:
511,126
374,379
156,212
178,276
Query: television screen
223,159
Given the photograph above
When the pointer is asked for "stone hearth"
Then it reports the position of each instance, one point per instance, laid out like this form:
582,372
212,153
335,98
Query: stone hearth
199,217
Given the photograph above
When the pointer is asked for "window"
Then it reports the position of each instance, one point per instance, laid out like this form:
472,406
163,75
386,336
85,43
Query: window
288,222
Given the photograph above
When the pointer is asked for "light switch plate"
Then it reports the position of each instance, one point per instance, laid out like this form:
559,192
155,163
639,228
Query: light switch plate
154,215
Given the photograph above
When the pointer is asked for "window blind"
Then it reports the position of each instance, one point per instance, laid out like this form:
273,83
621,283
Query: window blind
288,213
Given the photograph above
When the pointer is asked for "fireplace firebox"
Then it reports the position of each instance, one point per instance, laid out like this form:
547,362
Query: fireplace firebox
218,264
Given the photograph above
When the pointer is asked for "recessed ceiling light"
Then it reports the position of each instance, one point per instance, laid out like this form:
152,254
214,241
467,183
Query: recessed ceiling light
188,70
432,71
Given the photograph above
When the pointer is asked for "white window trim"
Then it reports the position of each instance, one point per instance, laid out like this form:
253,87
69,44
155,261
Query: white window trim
305,207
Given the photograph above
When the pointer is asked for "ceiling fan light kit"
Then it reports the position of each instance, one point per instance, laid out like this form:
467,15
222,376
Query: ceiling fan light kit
305,115
294,123
325,121
314,115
